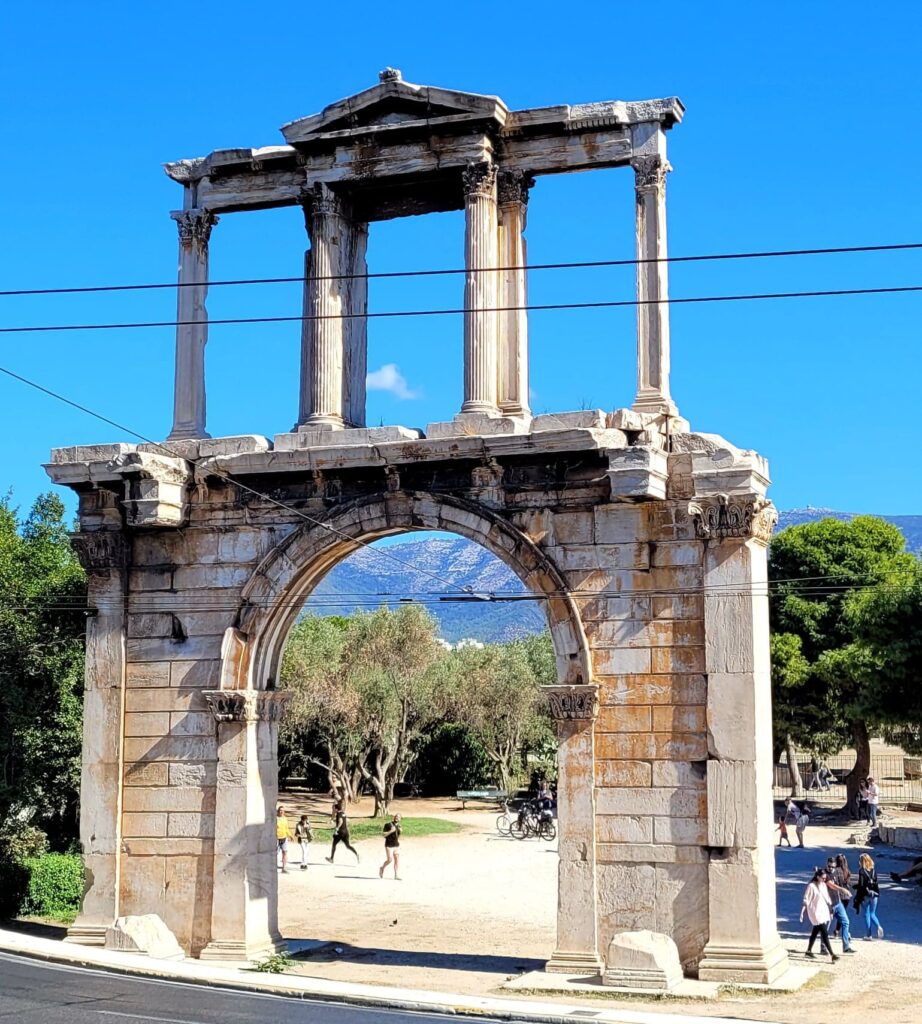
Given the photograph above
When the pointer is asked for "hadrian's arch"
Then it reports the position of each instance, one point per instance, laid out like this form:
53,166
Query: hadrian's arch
643,539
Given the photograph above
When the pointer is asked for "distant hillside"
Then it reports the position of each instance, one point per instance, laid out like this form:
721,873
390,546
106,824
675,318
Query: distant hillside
417,567
911,526
423,564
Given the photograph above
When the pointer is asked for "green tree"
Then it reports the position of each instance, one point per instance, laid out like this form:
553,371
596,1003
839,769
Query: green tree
391,660
816,569
497,694
42,589
322,725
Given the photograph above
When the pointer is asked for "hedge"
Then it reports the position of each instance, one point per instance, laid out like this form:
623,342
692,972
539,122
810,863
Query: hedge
47,886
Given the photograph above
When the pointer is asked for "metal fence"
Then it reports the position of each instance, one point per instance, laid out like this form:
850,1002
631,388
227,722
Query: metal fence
899,778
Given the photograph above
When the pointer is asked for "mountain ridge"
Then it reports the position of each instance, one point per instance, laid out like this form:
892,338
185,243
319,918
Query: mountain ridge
437,571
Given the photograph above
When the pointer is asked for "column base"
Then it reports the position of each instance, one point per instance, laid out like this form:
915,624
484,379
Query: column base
582,963
318,422
748,964
656,403
230,949
188,434
87,934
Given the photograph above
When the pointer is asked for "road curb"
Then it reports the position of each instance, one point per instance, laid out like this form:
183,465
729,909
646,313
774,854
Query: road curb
321,990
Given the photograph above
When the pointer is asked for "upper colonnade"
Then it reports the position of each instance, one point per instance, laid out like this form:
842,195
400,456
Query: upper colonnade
399,149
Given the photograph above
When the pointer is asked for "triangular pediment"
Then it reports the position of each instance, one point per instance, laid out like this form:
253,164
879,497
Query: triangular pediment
393,102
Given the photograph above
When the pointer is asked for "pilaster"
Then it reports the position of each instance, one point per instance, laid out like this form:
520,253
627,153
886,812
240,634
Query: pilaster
574,709
480,289
743,944
244,916
194,226
104,554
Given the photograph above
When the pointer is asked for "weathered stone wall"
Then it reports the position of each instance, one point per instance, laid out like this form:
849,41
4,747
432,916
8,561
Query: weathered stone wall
651,590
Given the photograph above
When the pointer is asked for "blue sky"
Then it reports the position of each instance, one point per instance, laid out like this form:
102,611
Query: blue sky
800,132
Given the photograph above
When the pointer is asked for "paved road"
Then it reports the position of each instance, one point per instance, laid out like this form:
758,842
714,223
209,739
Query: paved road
32,992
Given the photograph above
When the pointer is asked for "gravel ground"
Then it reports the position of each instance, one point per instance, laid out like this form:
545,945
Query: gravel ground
474,909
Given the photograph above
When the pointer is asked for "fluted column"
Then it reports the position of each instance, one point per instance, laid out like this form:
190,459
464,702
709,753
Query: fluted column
512,320
480,289
327,334
192,323
650,168
356,325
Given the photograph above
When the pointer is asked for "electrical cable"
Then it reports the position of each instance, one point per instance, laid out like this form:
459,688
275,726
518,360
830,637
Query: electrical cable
227,478
573,265
389,314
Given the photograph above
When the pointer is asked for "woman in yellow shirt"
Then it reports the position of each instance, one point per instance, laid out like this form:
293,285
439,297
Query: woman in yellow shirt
282,834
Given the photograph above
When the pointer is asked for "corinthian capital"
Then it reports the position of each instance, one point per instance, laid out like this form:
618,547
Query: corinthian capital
194,227
650,172
514,187
247,705
479,179
745,516
320,200
577,702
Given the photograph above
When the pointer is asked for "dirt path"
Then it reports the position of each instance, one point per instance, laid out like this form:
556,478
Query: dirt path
475,909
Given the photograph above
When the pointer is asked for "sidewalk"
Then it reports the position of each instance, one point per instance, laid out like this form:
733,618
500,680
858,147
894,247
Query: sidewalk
299,987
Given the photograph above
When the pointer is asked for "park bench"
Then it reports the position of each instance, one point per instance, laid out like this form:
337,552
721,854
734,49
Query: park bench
489,794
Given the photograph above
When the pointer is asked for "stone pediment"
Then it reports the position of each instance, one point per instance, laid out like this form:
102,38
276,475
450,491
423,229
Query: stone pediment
394,102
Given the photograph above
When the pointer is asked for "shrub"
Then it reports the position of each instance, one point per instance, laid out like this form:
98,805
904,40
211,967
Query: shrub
55,886
19,841
14,882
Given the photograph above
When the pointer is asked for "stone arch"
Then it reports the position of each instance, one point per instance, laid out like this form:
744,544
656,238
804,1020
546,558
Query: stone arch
275,594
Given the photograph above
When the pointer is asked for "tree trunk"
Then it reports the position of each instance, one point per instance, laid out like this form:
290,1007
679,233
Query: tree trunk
797,783
862,744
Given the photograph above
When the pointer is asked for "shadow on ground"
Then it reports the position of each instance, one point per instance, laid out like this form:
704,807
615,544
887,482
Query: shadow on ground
339,952
900,906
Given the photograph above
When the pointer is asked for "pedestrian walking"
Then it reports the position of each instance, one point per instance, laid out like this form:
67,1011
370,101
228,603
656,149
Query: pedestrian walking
304,835
816,906
282,835
873,802
867,895
783,829
341,833
391,846
800,826
839,892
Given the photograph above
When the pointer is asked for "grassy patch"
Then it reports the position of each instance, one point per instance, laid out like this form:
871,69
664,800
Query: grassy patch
373,828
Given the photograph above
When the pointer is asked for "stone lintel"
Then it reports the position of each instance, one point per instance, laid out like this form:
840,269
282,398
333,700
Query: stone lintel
309,436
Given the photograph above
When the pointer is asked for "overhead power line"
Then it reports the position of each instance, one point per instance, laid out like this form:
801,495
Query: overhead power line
385,314
572,265
229,479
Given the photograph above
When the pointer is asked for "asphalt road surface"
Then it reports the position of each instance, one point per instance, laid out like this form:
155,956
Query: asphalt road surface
32,992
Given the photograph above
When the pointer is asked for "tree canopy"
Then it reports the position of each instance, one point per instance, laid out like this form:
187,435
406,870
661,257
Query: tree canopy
372,690
834,588
41,669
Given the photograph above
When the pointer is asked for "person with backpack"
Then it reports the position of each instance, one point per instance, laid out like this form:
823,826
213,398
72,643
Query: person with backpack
305,836
391,846
817,907
867,894
341,833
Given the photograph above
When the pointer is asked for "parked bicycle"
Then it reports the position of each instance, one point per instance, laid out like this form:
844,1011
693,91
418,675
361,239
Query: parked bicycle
505,820
533,820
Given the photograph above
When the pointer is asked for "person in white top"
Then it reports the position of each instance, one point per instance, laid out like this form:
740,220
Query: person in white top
817,907
873,801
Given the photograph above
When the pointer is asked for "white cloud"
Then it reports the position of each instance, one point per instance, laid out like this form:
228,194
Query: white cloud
389,378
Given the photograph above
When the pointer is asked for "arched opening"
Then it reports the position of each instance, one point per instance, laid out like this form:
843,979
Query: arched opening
463,878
